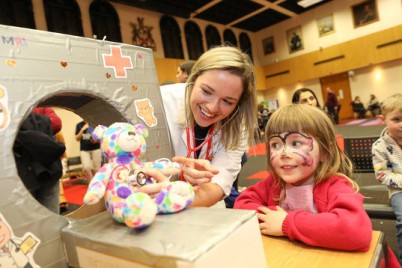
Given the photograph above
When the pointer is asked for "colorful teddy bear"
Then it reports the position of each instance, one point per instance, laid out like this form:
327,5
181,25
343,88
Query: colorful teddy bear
122,144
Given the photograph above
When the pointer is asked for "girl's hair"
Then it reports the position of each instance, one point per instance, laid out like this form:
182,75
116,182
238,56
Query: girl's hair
313,122
296,95
392,103
236,62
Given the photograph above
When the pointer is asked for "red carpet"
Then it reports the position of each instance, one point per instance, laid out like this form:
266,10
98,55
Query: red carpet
259,175
362,122
258,149
74,193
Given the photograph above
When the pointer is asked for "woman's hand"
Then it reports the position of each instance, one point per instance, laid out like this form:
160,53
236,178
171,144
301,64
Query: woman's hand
154,188
196,171
271,220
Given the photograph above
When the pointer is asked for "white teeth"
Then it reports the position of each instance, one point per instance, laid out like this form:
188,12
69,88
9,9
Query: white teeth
206,114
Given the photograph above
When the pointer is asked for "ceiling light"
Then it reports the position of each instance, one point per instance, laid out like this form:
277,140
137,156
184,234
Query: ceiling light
307,3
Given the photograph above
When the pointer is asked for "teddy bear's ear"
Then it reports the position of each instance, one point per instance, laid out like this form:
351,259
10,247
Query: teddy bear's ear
98,132
141,130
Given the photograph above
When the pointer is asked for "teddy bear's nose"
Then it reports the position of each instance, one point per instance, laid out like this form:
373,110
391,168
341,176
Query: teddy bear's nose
131,133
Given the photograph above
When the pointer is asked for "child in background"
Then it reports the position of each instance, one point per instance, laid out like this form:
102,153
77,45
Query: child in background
387,158
308,195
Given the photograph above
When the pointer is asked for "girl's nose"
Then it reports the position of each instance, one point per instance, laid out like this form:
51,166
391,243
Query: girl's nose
283,153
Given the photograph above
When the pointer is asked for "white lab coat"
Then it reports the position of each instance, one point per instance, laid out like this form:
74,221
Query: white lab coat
227,162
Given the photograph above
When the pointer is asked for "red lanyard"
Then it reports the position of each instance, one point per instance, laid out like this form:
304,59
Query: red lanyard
192,150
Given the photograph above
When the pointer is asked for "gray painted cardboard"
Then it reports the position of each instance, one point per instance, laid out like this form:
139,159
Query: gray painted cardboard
39,68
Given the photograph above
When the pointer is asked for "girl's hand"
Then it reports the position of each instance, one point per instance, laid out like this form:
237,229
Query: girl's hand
271,221
196,171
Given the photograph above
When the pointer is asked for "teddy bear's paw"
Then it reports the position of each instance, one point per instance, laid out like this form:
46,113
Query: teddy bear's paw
95,192
174,197
139,211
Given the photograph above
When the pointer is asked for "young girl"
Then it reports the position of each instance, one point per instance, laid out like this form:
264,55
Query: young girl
308,195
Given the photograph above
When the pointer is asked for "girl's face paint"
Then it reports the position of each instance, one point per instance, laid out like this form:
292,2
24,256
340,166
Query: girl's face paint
294,156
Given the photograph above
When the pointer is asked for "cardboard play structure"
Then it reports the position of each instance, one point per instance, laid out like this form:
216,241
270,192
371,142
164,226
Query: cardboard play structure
102,82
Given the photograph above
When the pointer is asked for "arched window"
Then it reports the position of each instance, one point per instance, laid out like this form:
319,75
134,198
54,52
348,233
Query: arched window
193,40
171,38
245,44
63,16
105,21
212,36
229,37
17,13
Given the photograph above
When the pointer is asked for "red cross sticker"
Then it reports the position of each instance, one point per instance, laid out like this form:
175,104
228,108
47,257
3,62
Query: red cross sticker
117,61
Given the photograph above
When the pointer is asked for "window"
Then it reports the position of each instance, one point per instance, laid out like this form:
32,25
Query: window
245,44
194,40
229,37
105,21
17,13
63,16
212,36
171,38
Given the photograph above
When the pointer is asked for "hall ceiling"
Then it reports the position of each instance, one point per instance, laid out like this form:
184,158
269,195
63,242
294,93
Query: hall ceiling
249,15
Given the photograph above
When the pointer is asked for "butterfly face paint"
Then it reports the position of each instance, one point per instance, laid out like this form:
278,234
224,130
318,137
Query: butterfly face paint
291,142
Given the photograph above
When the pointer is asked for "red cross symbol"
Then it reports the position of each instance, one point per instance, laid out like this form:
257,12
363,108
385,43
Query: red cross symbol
117,61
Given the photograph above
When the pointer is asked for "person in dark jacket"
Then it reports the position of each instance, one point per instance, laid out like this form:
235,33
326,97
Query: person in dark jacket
332,105
37,156
358,108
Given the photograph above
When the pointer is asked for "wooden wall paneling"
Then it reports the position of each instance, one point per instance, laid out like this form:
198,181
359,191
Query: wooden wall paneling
167,69
347,56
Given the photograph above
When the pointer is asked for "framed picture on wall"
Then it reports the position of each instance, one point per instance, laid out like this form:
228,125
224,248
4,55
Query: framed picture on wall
365,13
295,39
268,45
326,25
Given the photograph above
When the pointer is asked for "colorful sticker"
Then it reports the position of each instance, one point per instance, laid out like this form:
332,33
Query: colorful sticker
11,62
117,62
4,113
145,111
16,251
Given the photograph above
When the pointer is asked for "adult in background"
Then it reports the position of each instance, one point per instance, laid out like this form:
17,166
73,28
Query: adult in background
37,156
305,96
90,152
332,105
184,71
211,123
358,108
374,106
263,115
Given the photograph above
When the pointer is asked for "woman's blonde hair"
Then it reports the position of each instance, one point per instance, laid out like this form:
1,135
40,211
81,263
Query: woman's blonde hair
315,123
236,62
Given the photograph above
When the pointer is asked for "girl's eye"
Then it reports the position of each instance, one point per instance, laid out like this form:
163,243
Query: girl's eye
296,144
275,145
